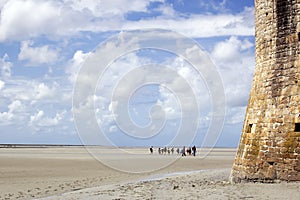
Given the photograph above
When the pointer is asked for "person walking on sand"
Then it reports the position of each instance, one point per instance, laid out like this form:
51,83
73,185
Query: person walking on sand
151,149
194,149
183,151
189,151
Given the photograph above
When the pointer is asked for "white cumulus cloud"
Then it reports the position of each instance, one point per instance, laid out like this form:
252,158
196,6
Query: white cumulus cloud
5,117
14,112
43,91
235,59
229,50
200,25
16,106
5,66
37,55
107,9
23,20
2,84
75,63
20,18
41,120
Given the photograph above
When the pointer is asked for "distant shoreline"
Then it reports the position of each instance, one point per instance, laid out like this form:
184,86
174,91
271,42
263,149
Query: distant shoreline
36,145
101,146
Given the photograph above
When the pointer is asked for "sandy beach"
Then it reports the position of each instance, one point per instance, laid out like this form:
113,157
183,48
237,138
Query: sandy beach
72,173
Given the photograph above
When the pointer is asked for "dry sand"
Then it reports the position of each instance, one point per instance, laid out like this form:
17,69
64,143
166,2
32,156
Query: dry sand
72,173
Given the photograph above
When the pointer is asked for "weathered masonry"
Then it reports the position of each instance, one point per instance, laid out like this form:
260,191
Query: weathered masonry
270,143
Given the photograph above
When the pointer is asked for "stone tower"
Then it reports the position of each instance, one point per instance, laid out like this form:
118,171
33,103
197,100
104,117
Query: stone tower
270,143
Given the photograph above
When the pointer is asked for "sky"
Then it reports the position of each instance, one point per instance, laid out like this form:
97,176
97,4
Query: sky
52,53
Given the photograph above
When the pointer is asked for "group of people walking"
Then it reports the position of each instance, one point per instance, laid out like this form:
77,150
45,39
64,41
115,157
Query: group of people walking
184,151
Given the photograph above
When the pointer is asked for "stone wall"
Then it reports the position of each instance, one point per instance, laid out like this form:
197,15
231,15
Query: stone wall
270,143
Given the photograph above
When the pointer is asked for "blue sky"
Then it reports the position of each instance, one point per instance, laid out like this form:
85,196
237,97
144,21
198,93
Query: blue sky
44,44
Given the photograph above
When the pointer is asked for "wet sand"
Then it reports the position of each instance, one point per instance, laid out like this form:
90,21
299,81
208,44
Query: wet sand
72,173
